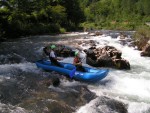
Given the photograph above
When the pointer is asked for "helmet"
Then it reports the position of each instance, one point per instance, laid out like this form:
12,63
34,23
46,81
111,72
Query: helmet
53,46
76,53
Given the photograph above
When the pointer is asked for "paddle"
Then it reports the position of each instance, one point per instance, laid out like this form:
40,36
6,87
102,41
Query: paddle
83,59
72,73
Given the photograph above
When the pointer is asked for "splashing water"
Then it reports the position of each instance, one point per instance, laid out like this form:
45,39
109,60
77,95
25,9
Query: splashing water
131,87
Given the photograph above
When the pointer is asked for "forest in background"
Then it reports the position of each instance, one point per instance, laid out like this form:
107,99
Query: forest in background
36,17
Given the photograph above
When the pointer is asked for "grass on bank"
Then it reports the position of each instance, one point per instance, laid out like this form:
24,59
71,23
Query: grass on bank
142,36
111,25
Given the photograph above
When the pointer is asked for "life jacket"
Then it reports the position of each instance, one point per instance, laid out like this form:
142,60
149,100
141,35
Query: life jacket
79,67
76,60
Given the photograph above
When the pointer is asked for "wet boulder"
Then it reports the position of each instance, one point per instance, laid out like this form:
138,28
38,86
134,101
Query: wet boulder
4,108
146,50
36,93
55,81
90,53
105,61
64,51
106,105
11,58
56,100
107,56
121,64
96,33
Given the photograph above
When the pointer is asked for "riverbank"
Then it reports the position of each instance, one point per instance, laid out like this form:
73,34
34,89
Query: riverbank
142,40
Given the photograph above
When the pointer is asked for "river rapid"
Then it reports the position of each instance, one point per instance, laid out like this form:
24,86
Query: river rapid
17,57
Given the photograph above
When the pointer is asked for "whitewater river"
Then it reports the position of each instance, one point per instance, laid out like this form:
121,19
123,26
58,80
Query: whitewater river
131,87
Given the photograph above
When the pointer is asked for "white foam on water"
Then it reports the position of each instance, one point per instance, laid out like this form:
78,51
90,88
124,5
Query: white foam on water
74,34
27,67
95,107
56,88
131,87
139,107
4,108
70,83
8,70
68,60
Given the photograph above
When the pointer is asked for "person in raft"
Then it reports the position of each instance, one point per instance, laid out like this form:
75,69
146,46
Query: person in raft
77,62
53,57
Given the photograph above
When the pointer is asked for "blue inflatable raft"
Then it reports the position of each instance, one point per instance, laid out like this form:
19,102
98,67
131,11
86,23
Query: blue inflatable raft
91,74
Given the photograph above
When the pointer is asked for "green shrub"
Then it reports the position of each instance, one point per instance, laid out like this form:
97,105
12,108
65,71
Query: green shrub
142,32
62,30
141,36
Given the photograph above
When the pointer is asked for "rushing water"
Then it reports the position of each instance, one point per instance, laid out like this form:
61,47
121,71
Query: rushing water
130,87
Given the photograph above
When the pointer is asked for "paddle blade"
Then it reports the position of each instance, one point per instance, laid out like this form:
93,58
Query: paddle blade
72,73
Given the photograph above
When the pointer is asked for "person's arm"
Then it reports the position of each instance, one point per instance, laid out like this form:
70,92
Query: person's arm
54,56
58,58
80,63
